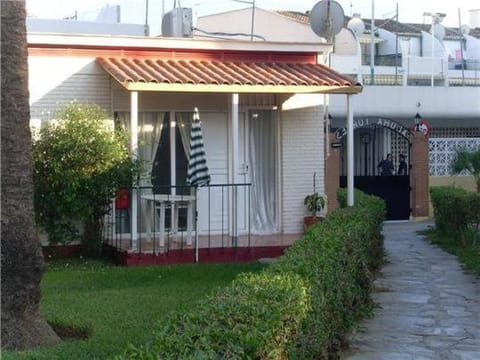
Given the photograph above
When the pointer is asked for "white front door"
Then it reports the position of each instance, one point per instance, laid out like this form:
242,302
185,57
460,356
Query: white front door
213,202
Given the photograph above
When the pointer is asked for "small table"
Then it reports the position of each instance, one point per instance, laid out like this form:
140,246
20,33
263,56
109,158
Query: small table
174,201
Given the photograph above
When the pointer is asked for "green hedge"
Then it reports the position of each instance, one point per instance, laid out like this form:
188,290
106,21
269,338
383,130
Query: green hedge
456,211
298,308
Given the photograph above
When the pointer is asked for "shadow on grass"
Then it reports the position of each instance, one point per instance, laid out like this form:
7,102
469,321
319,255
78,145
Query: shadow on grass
71,330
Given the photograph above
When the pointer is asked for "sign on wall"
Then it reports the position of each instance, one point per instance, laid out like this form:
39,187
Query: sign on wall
376,121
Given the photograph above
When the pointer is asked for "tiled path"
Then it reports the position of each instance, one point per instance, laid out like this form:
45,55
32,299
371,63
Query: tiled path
429,307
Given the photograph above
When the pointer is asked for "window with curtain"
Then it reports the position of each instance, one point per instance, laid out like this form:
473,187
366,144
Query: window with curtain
162,166
154,143
150,128
154,146
262,141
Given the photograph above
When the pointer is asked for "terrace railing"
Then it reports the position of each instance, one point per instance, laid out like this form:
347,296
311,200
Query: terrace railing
180,218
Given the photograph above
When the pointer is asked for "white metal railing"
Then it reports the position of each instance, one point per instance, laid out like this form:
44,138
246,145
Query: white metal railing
442,151
414,70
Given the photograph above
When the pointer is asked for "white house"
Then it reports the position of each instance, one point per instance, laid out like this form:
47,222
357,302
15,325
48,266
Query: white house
265,152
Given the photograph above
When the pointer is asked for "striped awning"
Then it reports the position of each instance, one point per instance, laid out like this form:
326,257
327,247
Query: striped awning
178,75
197,163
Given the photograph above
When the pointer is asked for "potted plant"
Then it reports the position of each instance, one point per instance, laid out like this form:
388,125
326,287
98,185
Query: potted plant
314,203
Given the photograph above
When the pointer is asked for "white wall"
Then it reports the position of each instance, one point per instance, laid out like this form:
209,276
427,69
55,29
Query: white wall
475,18
388,46
472,48
302,155
424,65
438,46
411,45
83,27
272,26
401,101
346,43
55,81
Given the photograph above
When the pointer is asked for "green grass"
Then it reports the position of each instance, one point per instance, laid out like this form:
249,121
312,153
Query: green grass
468,255
120,305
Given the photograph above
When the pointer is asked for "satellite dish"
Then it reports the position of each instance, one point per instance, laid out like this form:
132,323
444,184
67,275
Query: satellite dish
356,24
326,18
439,31
465,29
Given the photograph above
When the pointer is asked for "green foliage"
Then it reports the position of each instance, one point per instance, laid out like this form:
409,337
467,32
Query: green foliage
298,308
115,306
79,162
468,255
457,212
342,196
469,162
255,317
314,203
337,260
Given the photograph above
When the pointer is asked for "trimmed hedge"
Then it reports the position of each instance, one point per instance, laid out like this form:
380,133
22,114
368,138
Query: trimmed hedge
456,211
298,308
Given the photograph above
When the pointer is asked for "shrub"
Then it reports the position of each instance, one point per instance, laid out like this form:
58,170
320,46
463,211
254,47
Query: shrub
456,211
256,317
468,162
78,164
298,308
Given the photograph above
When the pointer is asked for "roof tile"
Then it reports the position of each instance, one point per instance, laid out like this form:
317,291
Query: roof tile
203,72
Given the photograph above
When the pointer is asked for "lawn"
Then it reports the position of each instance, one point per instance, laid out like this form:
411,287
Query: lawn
468,255
120,305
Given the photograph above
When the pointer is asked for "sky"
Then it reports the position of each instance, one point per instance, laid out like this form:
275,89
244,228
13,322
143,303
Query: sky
133,11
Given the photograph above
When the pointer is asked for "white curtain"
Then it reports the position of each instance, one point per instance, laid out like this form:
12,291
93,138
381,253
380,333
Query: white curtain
150,126
262,142
184,124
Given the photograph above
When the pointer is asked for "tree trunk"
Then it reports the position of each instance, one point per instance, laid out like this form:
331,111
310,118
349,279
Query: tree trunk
21,253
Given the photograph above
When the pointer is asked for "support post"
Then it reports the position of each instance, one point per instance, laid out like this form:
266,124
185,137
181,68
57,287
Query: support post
332,174
173,160
372,45
350,167
234,167
134,154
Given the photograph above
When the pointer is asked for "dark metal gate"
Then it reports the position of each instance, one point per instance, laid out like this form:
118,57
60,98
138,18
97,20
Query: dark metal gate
374,139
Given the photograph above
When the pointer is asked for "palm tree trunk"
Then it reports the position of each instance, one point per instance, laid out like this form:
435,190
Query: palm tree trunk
21,253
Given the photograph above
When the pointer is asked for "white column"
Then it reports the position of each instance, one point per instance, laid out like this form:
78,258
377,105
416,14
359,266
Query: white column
432,82
234,167
134,152
372,45
350,167
173,146
234,134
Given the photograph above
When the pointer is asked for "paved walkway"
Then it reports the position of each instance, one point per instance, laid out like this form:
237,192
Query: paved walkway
428,307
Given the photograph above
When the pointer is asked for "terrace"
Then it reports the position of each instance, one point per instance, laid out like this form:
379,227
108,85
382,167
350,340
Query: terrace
184,225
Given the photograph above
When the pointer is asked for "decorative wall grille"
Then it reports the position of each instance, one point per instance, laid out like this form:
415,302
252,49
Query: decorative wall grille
463,132
399,146
442,151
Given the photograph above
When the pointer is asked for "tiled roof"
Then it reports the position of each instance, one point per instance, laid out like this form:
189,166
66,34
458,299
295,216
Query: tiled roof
295,15
391,25
152,74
